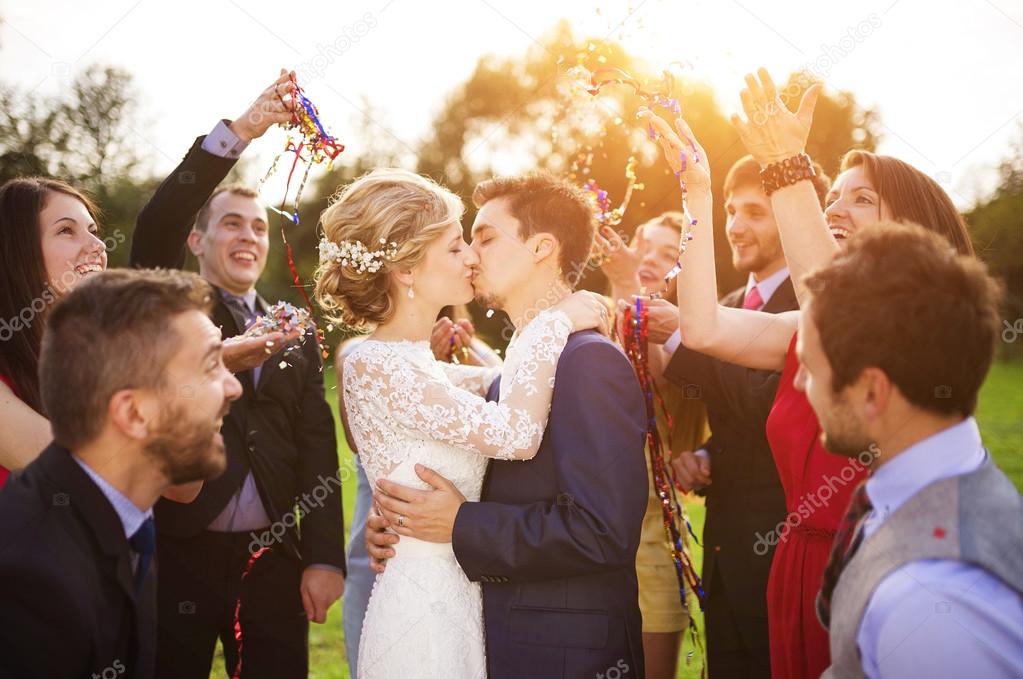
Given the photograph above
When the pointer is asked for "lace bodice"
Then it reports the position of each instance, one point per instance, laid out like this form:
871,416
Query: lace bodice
402,403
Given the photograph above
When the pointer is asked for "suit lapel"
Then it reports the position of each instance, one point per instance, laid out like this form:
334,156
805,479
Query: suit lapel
783,299
95,510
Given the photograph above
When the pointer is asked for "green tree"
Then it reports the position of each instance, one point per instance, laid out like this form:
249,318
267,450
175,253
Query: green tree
997,228
516,108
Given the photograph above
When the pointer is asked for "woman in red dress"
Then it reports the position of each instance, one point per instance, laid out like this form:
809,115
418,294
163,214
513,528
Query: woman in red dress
869,191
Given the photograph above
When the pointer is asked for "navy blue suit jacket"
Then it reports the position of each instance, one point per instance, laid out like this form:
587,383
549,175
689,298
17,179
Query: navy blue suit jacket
554,540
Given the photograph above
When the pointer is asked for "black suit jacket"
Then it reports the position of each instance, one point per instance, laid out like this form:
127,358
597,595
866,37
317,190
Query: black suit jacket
746,496
68,606
554,540
282,428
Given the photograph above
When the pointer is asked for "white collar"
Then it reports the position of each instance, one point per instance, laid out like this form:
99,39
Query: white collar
769,285
951,452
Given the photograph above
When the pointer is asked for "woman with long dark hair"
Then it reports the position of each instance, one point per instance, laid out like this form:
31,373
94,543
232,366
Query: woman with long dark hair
49,241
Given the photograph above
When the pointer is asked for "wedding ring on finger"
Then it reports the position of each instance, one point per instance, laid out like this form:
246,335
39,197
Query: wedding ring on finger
401,521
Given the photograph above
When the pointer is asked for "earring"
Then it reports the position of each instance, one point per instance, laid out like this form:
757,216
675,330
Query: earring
411,294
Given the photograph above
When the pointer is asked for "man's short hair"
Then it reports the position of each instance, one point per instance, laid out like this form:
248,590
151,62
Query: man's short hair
202,219
901,299
544,203
746,172
111,332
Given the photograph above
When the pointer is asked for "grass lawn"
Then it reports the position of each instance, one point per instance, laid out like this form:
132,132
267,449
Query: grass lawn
1000,413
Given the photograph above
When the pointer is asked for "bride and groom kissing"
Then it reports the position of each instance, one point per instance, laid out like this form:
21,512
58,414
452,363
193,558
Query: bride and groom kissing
510,498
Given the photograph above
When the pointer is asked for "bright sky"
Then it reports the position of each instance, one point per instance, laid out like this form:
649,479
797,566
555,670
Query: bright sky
947,76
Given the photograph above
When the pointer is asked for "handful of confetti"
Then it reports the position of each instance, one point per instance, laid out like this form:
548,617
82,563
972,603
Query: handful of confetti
282,317
309,141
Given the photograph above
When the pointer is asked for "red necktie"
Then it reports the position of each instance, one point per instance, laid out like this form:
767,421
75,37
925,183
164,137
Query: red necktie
847,540
753,299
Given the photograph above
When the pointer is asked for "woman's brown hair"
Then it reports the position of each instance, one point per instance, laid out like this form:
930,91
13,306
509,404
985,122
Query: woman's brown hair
25,293
912,197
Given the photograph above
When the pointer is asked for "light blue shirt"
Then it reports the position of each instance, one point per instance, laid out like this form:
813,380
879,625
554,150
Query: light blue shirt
937,618
131,516
223,142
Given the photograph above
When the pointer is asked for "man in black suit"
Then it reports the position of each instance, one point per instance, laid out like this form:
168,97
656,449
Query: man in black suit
282,466
735,468
135,390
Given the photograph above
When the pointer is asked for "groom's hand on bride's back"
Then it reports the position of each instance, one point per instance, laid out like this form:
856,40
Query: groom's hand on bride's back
379,541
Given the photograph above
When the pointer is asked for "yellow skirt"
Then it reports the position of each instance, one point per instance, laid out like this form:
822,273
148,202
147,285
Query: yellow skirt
659,599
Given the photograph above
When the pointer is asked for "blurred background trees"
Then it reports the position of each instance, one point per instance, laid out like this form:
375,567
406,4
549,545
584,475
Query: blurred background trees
511,114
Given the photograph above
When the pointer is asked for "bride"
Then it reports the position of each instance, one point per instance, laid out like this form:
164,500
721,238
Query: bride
393,255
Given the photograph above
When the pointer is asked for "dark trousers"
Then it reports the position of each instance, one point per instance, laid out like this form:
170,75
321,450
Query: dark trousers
200,580
737,642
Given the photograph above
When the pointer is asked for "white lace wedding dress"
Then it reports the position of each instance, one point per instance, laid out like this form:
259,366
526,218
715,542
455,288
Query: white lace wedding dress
425,618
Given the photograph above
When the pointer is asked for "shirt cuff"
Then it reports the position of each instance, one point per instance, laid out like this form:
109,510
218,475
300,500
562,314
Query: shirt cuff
673,342
325,567
702,452
223,142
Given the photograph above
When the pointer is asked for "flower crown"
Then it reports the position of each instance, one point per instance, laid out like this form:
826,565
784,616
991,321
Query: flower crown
354,254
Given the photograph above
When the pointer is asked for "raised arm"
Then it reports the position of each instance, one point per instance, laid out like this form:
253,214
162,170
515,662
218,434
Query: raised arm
773,134
162,225
25,432
750,338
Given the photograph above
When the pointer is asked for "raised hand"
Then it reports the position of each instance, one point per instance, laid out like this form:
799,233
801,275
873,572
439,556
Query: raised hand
771,132
676,142
272,106
619,261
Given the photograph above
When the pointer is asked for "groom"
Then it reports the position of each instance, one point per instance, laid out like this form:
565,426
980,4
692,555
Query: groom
554,540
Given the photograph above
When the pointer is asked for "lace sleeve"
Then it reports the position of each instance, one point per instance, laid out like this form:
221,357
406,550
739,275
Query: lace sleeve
472,378
510,429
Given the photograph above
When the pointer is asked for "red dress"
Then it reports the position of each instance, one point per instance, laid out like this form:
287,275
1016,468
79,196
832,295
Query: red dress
818,487
4,472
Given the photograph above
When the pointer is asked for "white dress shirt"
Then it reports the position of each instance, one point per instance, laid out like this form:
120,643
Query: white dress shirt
937,618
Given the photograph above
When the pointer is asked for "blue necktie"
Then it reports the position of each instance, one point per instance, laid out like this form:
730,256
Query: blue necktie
144,544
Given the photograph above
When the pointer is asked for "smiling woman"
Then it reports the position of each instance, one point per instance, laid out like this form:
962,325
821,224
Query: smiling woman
48,242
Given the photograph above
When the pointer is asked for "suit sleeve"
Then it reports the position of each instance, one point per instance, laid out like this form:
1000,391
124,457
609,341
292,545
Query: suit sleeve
35,604
593,525
322,529
745,393
162,226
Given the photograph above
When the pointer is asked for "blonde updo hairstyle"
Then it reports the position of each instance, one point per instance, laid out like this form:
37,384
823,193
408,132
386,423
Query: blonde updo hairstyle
384,206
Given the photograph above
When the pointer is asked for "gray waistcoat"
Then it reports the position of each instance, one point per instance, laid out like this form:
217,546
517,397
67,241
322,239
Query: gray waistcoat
976,518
